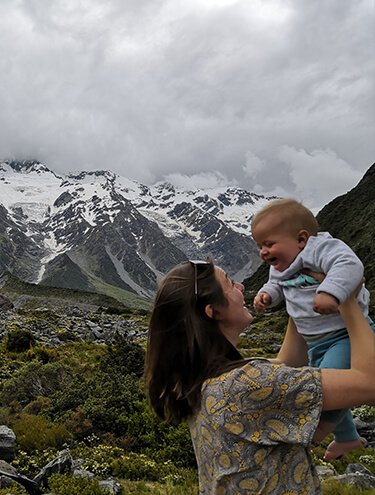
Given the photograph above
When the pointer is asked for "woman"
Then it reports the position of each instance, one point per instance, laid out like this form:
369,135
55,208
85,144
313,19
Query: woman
251,421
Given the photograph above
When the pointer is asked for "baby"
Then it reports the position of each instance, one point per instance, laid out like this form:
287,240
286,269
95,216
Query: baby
286,233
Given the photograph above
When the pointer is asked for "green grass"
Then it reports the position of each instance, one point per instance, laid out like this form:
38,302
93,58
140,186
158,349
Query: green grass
132,301
335,487
105,296
188,487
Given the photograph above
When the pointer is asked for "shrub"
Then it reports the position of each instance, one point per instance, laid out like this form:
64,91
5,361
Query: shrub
37,433
335,487
63,484
99,459
79,425
13,489
19,340
140,467
42,354
365,413
30,465
123,357
68,399
33,380
36,406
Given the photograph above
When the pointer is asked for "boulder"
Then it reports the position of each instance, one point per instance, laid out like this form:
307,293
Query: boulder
358,476
112,485
62,464
7,443
8,474
5,481
5,303
81,473
325,471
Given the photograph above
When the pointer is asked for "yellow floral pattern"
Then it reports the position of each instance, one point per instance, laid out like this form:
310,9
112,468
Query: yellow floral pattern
252,433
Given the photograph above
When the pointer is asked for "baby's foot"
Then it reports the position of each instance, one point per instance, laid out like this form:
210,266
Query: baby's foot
335,449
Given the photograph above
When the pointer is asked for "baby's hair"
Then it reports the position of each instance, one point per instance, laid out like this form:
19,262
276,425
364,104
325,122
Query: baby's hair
291,213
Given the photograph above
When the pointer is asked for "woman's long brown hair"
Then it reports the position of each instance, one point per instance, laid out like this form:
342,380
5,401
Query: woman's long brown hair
185,346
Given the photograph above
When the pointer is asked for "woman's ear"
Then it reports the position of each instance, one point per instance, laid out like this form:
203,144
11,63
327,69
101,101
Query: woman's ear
212,312
209,310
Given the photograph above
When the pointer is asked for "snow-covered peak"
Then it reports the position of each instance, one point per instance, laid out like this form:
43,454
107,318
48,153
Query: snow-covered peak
31,188
23,167
231,205
152,225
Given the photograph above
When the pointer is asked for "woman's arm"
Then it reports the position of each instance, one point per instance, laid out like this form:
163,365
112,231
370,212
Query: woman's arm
293,351
356,386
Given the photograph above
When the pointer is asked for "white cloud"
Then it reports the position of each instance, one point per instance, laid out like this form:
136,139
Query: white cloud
158,87
253,165
318,175
203,180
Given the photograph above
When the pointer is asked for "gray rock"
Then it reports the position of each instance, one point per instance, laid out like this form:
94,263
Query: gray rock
324,471
6,468
8,474
7,443
80,473
356,467
112,485
358,480
358,476
78,463
62,464
5,303
359,423
5,482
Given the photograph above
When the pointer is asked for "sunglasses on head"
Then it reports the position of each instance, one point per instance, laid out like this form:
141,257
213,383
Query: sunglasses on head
197,263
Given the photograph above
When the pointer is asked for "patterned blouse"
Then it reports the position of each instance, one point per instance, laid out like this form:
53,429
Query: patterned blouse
254,428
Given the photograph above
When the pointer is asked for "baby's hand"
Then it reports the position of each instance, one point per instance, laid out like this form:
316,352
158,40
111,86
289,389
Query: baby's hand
261,301
325,304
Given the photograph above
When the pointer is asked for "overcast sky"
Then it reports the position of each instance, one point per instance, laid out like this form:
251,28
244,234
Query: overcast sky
275,96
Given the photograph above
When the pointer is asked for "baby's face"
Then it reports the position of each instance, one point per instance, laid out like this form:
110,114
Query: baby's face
278,246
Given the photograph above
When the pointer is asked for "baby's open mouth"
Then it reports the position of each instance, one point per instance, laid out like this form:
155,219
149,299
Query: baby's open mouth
272,260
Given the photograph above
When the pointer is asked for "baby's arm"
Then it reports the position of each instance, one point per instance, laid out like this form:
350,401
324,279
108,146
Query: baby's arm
343,268
261,301
325,304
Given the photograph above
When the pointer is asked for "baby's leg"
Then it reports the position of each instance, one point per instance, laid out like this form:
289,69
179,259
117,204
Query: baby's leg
334,352
323,429
346,438
336,449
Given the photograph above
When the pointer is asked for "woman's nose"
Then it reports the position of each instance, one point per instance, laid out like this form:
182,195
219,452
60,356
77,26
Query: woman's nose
239,286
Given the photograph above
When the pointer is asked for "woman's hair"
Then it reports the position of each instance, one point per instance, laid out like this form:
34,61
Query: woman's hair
185,346
291,213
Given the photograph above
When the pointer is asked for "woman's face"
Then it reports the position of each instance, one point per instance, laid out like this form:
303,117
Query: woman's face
234,317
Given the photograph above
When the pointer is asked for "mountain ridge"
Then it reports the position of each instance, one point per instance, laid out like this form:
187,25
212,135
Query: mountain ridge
92,228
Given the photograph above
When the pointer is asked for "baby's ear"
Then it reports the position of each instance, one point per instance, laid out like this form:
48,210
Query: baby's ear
302,237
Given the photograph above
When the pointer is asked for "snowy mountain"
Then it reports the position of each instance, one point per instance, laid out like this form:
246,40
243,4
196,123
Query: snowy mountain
101,232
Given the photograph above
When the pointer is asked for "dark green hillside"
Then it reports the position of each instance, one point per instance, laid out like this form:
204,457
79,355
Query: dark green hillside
62,272
351,218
